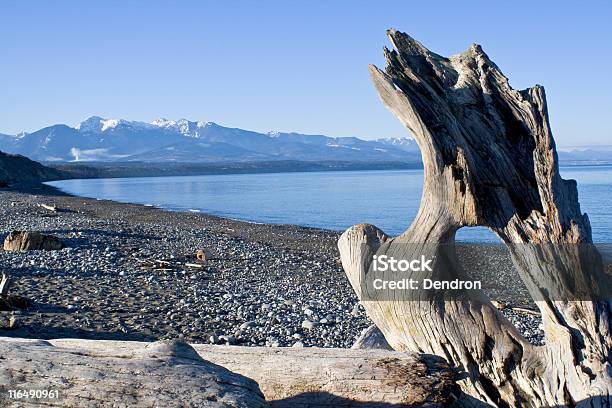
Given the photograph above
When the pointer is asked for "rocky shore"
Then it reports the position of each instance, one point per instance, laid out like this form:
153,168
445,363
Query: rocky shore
129,272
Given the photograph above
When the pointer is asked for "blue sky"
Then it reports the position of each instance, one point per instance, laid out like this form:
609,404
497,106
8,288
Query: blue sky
286,65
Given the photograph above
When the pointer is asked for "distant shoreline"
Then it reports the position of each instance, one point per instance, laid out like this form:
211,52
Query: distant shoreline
94,170
91,170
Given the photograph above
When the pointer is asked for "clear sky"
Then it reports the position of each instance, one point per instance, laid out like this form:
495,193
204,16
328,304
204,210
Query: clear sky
286,65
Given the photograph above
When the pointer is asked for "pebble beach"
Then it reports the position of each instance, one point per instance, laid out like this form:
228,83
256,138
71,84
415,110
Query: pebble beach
129,272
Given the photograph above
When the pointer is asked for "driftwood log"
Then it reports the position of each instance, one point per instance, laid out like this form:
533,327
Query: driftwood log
326,378
102,373
163,374
489,160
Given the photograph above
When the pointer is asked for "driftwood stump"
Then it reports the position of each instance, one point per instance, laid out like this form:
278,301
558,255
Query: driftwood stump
489,160
31,240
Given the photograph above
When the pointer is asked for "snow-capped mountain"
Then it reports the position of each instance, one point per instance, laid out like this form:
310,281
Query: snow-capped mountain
404,143
183,126
100,139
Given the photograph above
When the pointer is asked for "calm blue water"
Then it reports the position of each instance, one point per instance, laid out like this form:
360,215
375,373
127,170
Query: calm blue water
332,200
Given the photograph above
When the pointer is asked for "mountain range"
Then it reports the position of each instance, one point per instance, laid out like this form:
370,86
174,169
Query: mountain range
167,141
117,140
585,155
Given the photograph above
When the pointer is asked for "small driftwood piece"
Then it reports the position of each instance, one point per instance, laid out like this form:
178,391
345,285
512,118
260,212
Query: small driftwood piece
48,207
192,265
5,284
490,160
161,265
141,374
526,311
10,302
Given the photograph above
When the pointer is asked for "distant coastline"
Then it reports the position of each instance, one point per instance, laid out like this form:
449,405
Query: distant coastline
76,170
143,169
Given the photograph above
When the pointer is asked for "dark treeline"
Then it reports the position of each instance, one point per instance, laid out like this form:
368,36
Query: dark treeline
143,169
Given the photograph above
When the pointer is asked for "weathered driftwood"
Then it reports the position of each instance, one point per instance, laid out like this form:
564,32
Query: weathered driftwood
318,378
31,240
7,301
490,160
5,283
288,377
163,374
48,207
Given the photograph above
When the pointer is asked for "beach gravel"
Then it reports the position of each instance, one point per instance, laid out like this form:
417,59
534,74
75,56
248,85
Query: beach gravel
130,272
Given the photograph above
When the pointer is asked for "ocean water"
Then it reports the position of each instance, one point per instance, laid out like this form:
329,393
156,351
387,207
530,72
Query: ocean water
331,200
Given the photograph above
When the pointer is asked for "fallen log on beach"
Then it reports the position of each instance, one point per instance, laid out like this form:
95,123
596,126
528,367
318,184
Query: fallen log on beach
165,374
171,374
